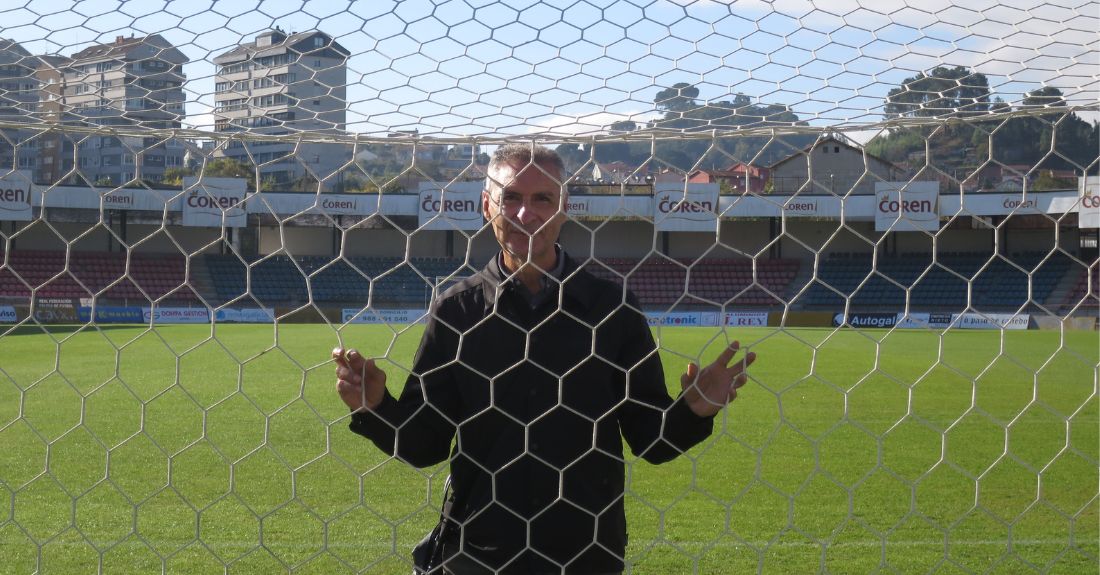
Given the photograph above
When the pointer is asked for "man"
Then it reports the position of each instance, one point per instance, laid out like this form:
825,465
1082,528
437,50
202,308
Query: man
541,370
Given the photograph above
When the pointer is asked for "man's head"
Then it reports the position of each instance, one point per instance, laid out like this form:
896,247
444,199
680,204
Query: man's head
523,200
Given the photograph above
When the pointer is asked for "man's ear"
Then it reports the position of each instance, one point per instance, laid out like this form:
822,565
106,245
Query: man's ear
486,200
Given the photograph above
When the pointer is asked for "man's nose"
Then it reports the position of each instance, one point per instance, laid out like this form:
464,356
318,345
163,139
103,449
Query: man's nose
525,214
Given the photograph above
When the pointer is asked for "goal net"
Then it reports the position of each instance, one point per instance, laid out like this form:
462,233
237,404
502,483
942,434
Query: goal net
894,205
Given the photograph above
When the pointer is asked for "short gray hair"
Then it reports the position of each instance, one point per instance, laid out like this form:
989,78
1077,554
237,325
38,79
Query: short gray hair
523,154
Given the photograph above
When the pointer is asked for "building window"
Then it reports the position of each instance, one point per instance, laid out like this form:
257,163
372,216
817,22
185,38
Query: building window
318,41
836,149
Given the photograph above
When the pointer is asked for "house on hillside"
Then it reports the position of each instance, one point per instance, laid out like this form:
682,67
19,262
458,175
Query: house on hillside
832,165
617,172
738,178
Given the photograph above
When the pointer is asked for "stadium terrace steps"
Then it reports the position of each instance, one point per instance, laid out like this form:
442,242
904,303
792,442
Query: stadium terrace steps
107,276
383,282
660,282
1082,294
951,280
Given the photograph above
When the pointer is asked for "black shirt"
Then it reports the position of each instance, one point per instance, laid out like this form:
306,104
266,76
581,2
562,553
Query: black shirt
540,399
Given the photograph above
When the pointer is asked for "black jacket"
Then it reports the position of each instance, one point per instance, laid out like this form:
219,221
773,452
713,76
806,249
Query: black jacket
540,399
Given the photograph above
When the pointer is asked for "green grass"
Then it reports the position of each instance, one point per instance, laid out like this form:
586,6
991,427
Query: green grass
134,450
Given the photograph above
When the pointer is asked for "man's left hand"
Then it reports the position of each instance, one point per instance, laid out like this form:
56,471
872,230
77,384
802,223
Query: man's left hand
707,391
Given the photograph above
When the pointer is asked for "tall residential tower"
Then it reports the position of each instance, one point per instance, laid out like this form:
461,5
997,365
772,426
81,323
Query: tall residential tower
284,84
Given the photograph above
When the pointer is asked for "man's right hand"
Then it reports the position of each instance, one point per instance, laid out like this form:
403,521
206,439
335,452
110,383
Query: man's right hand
360,383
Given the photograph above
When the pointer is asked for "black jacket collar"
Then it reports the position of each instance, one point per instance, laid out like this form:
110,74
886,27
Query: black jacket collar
577,283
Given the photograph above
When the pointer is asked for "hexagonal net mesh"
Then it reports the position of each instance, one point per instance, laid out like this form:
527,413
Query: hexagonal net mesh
893,206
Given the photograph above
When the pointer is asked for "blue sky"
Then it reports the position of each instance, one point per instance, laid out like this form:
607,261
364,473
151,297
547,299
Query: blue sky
474,67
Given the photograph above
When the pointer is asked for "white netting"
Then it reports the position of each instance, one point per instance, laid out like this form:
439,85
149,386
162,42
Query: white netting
894,205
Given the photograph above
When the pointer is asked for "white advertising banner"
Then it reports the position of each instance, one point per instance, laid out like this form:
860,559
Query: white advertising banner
207,200
690,209
81,197
682,319
176,315
7,314
746,318
245,315
136,199
854,208
607,206
15,196
923,320
345,204
454,206
289,204
1088,213
811,206
907,206
378,316
990,204
991,321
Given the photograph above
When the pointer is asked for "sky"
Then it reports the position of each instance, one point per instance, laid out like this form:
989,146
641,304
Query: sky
461,68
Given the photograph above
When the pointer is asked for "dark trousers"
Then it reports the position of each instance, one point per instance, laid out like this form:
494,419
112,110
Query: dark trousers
462,564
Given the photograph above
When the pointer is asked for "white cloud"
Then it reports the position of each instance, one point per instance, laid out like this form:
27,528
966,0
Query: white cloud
586,124
200,116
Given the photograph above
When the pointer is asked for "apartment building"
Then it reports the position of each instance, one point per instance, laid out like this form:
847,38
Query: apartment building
128,82
50,161
19,89
283,84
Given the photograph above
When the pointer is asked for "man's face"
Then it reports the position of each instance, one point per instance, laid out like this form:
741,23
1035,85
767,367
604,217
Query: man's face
522,206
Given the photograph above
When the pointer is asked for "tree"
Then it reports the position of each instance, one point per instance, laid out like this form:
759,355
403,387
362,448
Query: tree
174,176
684,114
572,155
228,168
941,92
623,127
613,152
1047,181
1045,97
680,97
1029,139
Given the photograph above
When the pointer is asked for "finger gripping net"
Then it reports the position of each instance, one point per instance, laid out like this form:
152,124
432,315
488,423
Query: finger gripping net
891,207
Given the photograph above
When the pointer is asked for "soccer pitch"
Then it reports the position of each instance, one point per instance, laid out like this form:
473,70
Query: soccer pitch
132,450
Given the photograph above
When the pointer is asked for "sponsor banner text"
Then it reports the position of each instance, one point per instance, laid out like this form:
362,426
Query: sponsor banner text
245,315
176,315
377,316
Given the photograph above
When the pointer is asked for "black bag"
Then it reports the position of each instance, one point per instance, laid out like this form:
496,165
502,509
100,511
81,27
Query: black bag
428,554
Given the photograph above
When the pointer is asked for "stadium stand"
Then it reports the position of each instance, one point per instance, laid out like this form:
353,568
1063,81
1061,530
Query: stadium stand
659,282
104,275
1084,293
280,279
997,283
